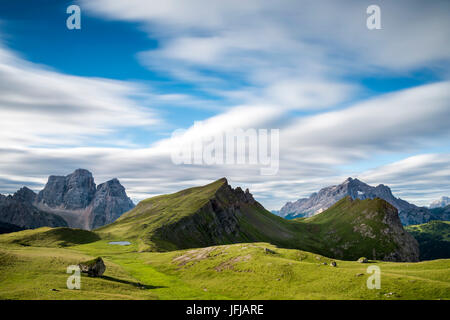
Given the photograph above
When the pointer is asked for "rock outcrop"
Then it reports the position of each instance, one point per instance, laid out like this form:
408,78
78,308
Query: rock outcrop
109,202
93,268
356,189
407,246
216,222
71,192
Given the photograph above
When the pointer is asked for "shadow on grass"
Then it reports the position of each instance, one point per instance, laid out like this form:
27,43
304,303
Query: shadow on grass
135,284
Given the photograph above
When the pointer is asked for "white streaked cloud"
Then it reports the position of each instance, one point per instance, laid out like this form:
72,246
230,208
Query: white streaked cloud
270,60
304,37
397,121
305,165
39,106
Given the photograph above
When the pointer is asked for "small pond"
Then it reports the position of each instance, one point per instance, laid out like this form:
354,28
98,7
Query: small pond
120,243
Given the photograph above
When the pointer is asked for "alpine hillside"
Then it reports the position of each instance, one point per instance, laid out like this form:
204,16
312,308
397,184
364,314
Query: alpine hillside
356,189
217,214
433,238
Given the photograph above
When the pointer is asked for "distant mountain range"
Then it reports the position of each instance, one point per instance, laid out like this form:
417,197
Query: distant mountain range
73,200
442,202
18,210
355,219
217,214
356,189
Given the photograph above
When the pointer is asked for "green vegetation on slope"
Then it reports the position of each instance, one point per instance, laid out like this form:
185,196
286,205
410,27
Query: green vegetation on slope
238,271
433,238
149,215
354,228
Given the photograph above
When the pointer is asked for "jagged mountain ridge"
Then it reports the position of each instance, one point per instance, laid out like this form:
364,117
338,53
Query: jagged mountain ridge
356,189
83,204
71,192
369,227
18,210
217,214
109,203
440,203
73,200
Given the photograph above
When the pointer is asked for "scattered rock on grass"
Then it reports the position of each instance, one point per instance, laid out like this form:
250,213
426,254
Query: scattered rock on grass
267,250
363,260
333,264
390,294
94,268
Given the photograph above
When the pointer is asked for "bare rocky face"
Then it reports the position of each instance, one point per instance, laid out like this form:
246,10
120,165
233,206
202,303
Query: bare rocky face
73,200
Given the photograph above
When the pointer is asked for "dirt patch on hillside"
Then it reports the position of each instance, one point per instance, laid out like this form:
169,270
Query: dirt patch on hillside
194,256
229,265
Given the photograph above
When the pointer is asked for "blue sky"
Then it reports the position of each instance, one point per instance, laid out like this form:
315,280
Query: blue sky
348,101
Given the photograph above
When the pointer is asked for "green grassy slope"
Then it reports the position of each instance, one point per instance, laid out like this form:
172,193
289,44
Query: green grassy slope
238,271
433,238
40,273
215,214
185,220
141,223
245,271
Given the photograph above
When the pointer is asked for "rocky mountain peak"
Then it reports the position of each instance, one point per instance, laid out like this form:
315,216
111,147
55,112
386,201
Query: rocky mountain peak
112,185
109,203
351,181
83,204
18,210
71,192
327,196
237,193
80,189
244,196
82,172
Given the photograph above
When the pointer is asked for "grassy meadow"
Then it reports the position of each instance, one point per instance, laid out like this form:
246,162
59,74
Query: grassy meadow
34,268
